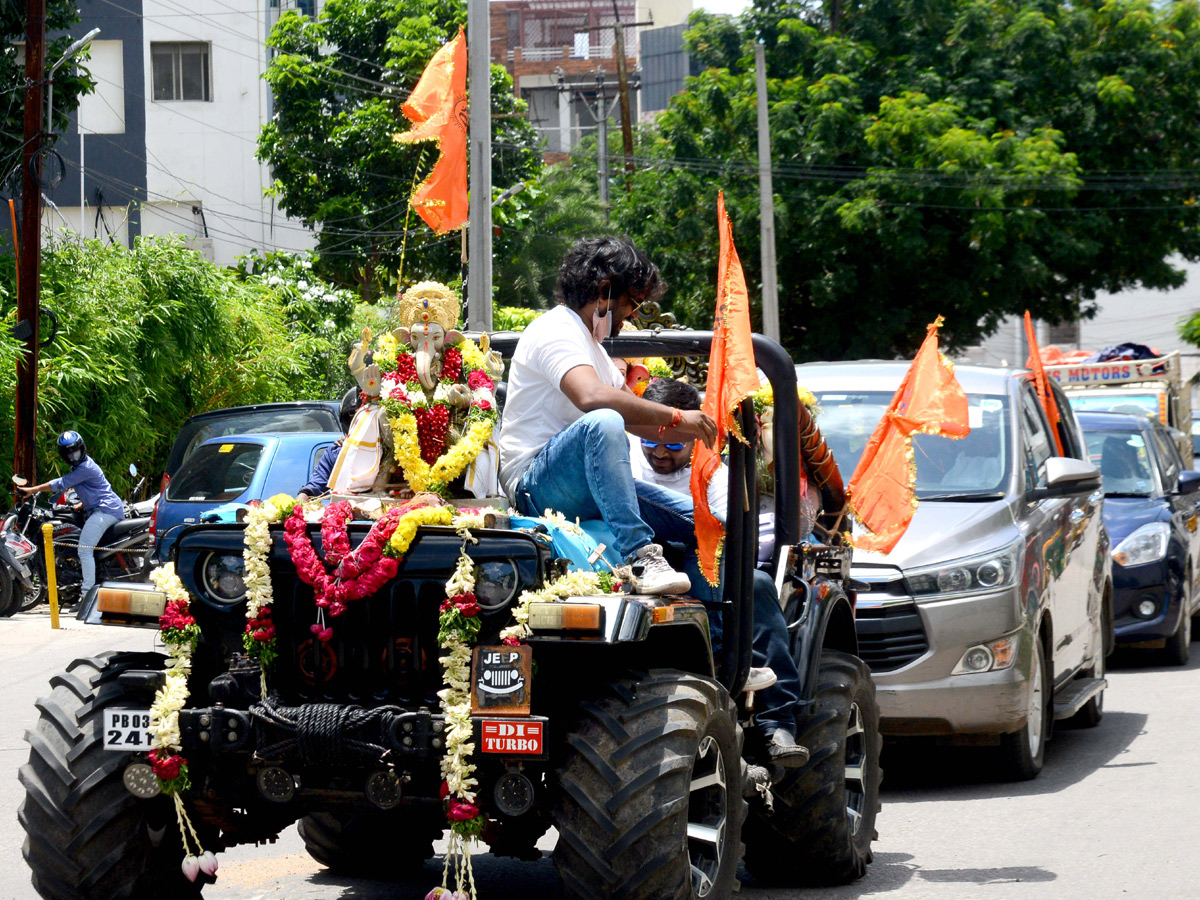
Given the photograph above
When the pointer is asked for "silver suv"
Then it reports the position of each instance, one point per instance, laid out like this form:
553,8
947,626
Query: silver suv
992,615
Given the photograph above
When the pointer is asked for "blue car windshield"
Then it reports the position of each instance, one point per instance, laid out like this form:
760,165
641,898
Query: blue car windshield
975,466
216,473
1123,460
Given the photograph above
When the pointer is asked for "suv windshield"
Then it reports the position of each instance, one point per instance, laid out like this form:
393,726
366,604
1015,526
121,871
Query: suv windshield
1136,404
974,467
1123,460
216,473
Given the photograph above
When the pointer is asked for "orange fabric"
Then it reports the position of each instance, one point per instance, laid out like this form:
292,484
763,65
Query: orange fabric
929,400
732,377
1049,404
437,108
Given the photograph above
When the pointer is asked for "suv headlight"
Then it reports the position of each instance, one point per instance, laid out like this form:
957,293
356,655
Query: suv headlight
987,572
1146,545
222,577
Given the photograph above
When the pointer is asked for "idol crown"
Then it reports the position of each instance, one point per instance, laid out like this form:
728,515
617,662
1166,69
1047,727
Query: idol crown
429,302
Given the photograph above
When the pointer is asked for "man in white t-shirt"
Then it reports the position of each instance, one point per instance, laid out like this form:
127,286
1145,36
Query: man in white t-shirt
669,465
563,444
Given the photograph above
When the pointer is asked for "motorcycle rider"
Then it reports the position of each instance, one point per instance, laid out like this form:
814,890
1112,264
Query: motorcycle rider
101,504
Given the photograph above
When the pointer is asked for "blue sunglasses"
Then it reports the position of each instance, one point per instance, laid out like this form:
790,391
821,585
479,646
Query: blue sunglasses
650,445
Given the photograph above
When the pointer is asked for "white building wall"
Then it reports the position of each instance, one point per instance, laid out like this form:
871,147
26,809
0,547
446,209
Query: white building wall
201,153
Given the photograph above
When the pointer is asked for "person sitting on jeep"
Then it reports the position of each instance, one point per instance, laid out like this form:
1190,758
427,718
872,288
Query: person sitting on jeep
318,483
669,465
563,443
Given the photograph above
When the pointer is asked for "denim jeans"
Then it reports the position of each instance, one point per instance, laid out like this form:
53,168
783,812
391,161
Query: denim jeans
776,705
89,536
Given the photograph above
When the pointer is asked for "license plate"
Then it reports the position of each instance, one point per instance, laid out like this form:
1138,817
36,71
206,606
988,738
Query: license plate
127,729
512,737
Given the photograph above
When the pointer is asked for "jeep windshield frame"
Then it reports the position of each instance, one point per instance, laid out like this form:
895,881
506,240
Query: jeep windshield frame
741,537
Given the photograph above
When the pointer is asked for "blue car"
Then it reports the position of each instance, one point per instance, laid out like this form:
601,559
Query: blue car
230,471
1151,511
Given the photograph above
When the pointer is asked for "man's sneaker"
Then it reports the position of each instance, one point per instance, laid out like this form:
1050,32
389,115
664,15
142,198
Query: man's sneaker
649,573
759,678
784,751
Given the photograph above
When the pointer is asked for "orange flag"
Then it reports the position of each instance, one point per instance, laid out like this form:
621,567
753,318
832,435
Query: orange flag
1049,404
882,491
732,377
437,107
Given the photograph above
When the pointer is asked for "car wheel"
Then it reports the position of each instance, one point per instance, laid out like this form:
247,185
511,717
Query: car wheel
1178,650
1023,752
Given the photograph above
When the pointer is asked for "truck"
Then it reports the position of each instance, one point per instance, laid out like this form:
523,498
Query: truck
1150,387
617,721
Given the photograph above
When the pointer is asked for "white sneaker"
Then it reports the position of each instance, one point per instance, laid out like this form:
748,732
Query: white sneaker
759,678
649,573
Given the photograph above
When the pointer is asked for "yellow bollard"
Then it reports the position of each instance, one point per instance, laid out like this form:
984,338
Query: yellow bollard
51,575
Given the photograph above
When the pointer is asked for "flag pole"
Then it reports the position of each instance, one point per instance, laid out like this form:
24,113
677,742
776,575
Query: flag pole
479,238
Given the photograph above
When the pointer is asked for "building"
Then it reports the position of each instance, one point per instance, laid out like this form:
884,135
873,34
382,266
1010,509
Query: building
166,142
561,56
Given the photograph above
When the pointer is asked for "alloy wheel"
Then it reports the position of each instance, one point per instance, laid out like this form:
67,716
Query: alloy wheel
856,762
708,808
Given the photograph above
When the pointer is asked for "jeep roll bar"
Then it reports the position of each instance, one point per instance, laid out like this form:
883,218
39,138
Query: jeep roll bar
741,538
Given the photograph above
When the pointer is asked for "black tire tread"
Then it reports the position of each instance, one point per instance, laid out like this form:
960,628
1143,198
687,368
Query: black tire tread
807,839
622,798
86,836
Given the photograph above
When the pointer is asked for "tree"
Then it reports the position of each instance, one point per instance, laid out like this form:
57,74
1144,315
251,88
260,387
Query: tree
966,157
70,82
339,82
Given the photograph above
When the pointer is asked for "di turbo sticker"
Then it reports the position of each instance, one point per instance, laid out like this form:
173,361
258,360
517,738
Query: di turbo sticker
512,737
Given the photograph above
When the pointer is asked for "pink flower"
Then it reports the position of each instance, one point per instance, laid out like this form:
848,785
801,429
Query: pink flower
190,867
208,863
460,811
477,378
511,641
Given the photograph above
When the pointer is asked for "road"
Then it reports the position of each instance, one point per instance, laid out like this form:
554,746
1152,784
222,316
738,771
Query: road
1112,815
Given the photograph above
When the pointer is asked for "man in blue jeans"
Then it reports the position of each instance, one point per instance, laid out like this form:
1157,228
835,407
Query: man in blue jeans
563,443
668,465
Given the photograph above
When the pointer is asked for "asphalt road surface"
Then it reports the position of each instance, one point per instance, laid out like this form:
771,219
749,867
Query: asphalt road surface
1112,815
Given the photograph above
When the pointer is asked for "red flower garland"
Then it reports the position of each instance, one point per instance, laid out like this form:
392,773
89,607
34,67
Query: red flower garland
406,367
433,424
451,364
477,378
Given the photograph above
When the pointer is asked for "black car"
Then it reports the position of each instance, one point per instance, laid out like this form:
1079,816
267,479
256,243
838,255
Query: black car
1151,511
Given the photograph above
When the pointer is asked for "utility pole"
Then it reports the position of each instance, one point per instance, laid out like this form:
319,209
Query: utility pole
602,140
29,265
479,237
766,202
623,93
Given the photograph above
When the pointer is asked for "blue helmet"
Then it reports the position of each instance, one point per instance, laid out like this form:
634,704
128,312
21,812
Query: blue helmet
72,448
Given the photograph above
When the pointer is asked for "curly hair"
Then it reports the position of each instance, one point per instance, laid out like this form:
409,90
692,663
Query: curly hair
593,261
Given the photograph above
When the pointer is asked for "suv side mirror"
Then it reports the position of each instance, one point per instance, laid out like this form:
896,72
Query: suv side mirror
1189,482
1066,476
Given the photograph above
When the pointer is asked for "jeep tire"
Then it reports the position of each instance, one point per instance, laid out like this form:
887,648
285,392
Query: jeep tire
649,802
820,829
86,835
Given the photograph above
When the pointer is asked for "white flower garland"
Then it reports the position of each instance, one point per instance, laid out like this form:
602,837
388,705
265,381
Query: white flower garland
171,697
578,583
455,698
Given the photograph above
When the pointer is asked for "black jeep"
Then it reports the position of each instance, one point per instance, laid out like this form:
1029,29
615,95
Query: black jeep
638,760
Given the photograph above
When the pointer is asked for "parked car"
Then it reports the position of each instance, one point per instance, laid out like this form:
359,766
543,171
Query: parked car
991,616
1195,434
1151,510
235,469
264,418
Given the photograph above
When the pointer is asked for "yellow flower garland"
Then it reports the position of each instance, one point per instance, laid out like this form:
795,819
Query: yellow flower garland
420,474
406,529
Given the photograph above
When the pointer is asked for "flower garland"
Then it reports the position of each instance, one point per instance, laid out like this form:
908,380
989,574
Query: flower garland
421,425
179,634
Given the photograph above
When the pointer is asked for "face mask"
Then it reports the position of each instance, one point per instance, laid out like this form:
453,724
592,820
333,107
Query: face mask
602,325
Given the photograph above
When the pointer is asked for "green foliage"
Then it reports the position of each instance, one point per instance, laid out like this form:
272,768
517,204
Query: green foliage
339,82
70,81
972,158
513,318
149,336
535,229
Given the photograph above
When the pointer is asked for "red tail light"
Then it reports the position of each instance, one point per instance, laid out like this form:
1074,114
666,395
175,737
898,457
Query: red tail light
162,488
153,521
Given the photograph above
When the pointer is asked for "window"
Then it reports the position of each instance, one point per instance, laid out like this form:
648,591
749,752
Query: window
216,473
1168,458
1036,438
181,71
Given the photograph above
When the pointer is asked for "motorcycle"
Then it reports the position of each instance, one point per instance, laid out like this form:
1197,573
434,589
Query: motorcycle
120,555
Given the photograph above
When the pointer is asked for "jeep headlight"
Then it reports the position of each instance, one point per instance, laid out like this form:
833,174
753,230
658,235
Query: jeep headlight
976,574
1146,545
496,583
223,577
